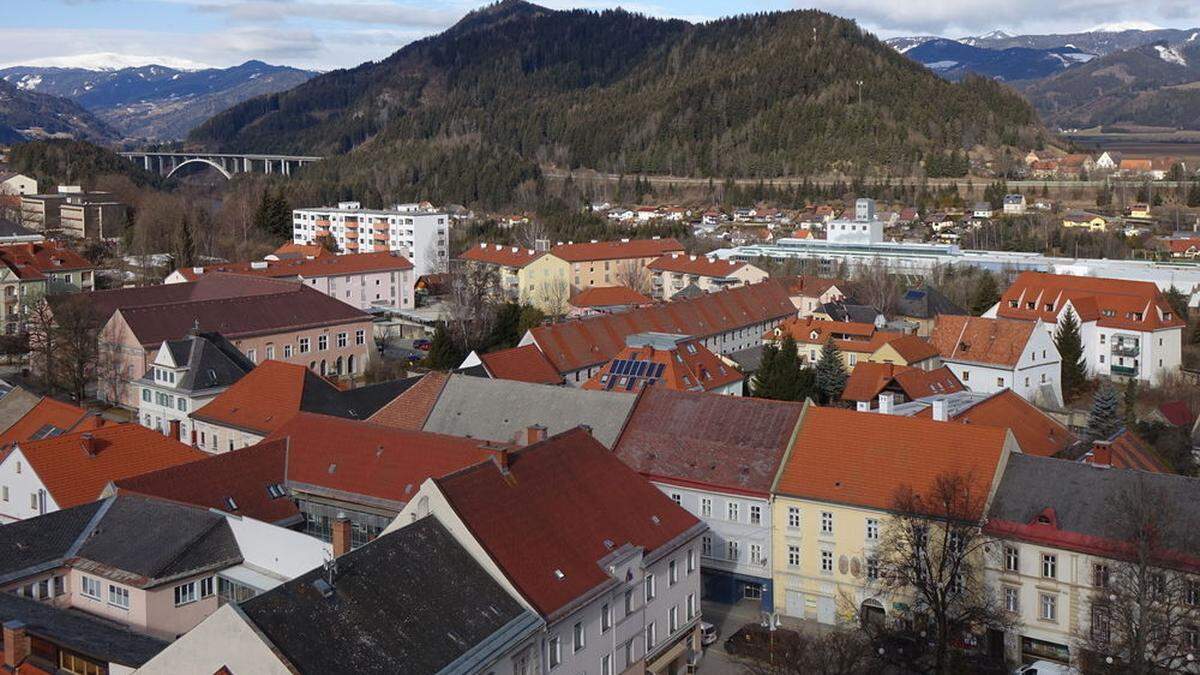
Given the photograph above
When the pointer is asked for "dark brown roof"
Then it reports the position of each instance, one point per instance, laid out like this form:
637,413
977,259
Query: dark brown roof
730,442
208,288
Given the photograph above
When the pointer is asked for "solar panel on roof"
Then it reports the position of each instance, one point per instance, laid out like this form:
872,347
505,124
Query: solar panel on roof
914,295
641,368
620,367
611,381
658,369
629,387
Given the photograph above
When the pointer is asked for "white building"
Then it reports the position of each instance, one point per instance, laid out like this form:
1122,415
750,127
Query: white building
864,229
17,184
990,355
187,374
1014,205
1128,328
419,234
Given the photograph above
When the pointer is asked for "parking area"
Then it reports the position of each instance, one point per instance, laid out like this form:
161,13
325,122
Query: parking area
728,619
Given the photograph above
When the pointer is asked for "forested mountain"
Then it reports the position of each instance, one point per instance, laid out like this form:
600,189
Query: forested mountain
954,60
155,102
516,85
26,115
1098,41
1156,85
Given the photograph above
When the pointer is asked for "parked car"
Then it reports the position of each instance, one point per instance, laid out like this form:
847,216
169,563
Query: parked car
1045,668
423,344
708,633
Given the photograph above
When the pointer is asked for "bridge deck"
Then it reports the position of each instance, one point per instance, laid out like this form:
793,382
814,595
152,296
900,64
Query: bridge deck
207,155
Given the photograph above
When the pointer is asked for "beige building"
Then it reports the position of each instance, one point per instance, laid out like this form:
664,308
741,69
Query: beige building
674,272
80,214
614,263
526,275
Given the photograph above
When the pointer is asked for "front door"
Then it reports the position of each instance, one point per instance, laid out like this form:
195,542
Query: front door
825,610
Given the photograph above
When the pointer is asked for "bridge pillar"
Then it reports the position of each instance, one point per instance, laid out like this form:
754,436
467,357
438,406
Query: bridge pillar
146,162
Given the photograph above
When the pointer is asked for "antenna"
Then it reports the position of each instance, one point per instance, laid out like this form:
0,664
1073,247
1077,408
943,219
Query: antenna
331,567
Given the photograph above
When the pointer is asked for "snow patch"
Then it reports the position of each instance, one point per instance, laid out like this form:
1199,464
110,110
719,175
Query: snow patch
29,82
942,65
1192,37
1121,26
1170,55
109,61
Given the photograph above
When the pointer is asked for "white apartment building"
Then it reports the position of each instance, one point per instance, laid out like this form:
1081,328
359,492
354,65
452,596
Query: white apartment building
420,234
990,355
186,375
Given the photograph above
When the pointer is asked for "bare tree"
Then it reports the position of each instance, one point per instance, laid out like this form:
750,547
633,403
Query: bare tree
634,274
471,304
553,296
878,287
39,323
836,652
76,329
1145,610
931,553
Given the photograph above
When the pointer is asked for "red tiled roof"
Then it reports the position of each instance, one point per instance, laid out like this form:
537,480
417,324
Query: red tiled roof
688,367
912,348
1181,245
868,379
303,250
48,412
848,336
299,307
1136,165
35,261
918,383
695,264
1177,413
587,342
609,296
368,459
242,475
979,340
72,476
1112,303
1036,432
523,364
809,286
496,254
616,250
324,266
262,400
546,522
1126,450
410,409
690,438
827,463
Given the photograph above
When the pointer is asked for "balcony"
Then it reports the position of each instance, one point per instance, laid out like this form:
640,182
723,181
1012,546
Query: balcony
1126,345
1125,371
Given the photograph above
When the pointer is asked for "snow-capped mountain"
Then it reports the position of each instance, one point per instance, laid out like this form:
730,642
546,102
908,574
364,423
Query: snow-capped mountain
154,101
904,44
953,59
110,61
1104,39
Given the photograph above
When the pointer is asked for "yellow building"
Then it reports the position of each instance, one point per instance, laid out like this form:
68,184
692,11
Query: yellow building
836,488
1090,221
857,342
525,275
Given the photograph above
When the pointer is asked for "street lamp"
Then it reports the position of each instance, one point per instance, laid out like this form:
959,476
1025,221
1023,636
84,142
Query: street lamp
771,623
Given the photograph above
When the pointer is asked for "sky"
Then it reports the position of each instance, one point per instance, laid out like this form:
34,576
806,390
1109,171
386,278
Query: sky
328,34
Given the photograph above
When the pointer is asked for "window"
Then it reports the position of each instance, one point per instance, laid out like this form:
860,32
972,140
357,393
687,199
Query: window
673,620
146,395
673,572
360,337
706,546
1012,599
629,652
33,501
794,517
650,588
252,355
206,585
691,606
691,561
793,557
872,568
651,636
1049,566
606,665
605,618
756,555
59,585
287,351
555,651
732,511
999,381
270,352
1049,607
731,550
1100,575
1012,559
826,522
118,597
577,636
342,339
872,529
827,562
304,345
628,602
185,593
1101,624
5,493
675,496
756,515
966,376
705,507
89,587
322,342
1193,593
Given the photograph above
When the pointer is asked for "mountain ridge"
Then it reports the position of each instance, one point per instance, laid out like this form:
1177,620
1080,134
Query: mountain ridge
26,115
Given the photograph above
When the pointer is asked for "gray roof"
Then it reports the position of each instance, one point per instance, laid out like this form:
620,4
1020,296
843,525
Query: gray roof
498,410
1082,495
840,311
926,302
748,360
9,228
140,540
14,405
78,632
211,361
393,609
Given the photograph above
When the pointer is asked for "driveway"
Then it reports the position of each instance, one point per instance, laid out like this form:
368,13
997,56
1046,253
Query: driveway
728,619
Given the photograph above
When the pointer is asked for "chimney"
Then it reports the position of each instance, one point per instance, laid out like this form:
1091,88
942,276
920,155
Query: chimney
341,535
587,428
89,444
863,406
534,433
503,460
1101,453
16,644
174,429
886,399
98,420
939,410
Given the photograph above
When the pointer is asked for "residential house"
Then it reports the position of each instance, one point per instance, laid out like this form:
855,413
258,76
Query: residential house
1160,167
15,403
613,263
840,310
416,231
1085,220
42,476
982,211
606,300
1180,245
989,355
1044,168
1060,542
12,232
1076,165
30,271
185,376
523,364
293,251
810,293
1036,432
1140,211
17,184
525,275
922,304
368,281
830,514
671,273
45,419
41,638
1014,205
1108,161
665,360
502,411
855,341
673,439
610,563
93,217
1128,328
1125,450
423,605
907,350
153,565
1135,167
724,322
268,396
869,380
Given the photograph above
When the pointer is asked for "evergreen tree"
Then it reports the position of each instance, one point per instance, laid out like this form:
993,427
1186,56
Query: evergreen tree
780,375
830,373
443,353
274,215
1193,195
986,294
1178,301
1131,396
1105,418
1070,349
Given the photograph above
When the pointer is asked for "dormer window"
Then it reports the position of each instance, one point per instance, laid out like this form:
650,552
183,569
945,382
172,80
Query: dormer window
1013,303
1031,305
1049,306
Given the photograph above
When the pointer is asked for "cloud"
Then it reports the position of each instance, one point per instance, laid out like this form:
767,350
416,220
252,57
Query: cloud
367,12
